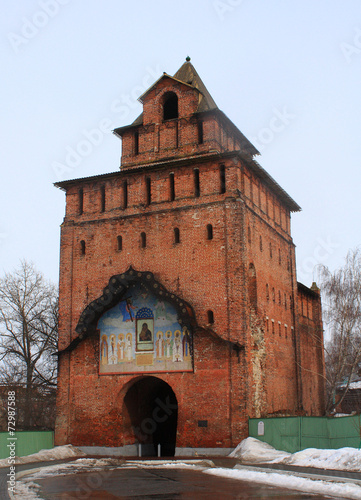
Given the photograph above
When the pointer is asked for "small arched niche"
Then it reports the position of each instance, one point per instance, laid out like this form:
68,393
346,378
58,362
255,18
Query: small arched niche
170,106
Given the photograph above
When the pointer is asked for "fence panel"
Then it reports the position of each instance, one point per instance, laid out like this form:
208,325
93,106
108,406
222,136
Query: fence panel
298,433
283,433
26,442
345,431
314,433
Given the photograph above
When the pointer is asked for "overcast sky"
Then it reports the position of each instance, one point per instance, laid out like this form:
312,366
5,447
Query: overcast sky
287,73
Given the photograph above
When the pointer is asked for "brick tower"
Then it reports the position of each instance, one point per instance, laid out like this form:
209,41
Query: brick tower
180,312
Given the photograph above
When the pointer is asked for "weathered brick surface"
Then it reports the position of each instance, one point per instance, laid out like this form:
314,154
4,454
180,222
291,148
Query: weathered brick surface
262,355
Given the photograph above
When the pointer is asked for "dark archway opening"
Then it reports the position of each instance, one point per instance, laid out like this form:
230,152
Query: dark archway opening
153,413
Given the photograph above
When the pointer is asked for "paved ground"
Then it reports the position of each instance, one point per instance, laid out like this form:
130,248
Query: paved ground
3,474
162,484
159,484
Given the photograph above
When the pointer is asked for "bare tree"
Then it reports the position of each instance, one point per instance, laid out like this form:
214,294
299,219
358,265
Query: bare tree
28,340
341,294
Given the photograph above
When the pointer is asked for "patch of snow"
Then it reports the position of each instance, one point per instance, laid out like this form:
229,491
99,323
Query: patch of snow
337,489
80,465
92,464
183,465
341,459
352,385
173,463
57,453
255,451
26,490
355,385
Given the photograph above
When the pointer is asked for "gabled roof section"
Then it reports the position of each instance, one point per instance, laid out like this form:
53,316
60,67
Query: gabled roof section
187,75
165,75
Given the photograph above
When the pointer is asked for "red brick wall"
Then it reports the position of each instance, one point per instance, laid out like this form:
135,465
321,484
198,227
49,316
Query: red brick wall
311,347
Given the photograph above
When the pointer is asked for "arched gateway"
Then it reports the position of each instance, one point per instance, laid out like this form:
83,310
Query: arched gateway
150,413
138,329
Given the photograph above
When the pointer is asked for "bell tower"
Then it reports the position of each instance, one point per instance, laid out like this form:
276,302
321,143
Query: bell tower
180,118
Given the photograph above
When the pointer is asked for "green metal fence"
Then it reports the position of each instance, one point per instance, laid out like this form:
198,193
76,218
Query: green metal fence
298,433
26,442
283,433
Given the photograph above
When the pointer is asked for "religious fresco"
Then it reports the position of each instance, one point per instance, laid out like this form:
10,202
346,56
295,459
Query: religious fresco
142,334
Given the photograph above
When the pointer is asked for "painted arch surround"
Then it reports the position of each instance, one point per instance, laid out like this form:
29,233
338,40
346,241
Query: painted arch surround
141,326
142,334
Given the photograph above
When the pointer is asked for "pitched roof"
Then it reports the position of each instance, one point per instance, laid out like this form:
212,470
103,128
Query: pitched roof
165,75
188,75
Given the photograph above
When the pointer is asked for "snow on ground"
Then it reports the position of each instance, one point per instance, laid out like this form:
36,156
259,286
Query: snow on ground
343,459
337,489
252,450
355,385
255,451
57,453
352,385
80,465
93,464
28,491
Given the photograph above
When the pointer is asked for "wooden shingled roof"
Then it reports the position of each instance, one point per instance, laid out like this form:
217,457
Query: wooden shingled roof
189,75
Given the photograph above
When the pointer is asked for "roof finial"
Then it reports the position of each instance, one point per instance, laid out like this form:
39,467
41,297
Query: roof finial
188,58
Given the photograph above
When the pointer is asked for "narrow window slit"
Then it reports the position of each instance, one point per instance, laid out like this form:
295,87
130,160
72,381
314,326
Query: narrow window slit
102,199
176,235
81,201
148,190
171,187
197,190
223,179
